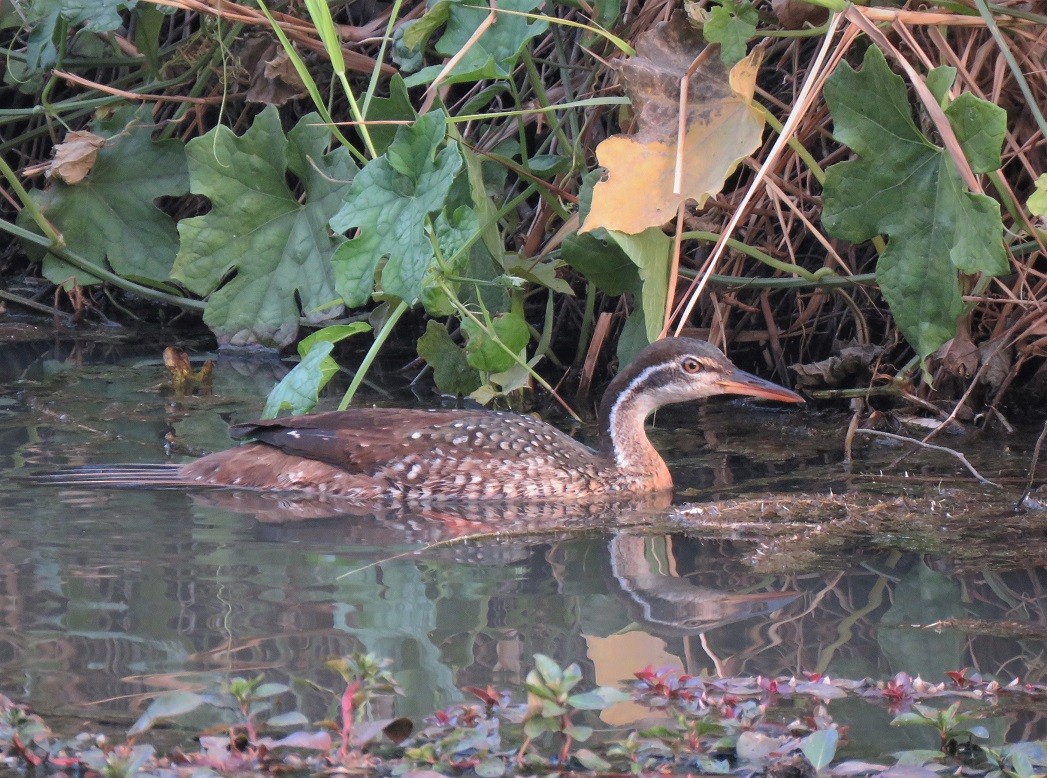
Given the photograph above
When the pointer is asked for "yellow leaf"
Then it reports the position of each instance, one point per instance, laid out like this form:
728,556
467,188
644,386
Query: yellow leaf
723,127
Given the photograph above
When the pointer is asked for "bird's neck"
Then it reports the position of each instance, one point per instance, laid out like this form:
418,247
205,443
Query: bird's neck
624,409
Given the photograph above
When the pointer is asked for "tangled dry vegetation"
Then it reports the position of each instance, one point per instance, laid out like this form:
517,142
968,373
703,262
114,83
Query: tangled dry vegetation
756,268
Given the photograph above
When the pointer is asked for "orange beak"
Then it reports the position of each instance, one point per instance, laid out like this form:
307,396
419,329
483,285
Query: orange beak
740,382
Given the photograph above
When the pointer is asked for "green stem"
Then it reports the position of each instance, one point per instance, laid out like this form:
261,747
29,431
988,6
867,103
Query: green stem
372,353
30,205
100,272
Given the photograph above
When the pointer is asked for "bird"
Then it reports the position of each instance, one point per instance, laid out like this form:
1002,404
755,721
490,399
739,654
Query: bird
408,456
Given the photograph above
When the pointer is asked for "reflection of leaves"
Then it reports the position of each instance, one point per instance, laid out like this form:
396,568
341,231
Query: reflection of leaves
723,126
922,597
904,186
493,55
278,247
390,201
110,215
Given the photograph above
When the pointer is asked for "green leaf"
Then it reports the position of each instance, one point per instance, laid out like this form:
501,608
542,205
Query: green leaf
731,24
389,201
579,732
598,699
299,390
451,235
292,718
147,35
1038,200
538,725
938,81
820,747
491,767
907,188
548,669
451,370
591,761
482,349
980,127
396,107
110,218
332,334
278,246
493,55
619,263
166,706
92,15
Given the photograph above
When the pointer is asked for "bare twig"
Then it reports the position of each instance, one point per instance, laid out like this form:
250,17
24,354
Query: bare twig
932,447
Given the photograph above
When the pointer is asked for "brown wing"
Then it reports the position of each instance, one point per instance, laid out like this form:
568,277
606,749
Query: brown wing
368,440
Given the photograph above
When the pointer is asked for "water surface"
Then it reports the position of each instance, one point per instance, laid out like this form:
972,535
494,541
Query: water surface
107,598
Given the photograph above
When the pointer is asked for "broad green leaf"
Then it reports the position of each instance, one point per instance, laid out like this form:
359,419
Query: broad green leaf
390,201
270,690
820,747
451,370
1038,199
110,218
907,188
731,24
277,243
493,55
482,349
299,390
538,725
166,706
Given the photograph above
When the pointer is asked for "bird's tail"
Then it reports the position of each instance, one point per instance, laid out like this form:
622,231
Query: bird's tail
162,476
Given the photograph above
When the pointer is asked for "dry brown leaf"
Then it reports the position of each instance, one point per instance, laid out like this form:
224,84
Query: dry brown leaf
75,156
840,369
723,127
959,356
272,76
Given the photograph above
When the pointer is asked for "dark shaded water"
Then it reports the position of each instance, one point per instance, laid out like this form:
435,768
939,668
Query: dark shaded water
107,598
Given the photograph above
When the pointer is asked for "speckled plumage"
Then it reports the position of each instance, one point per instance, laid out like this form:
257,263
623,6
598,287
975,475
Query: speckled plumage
412,456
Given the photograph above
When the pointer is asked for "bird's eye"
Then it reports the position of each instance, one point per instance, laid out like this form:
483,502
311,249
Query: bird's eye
692,365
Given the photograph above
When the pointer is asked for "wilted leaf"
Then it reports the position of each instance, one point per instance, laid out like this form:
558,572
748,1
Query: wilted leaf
904,186
723,126
390,201
274,79
840,369
279,247
75,156
110,215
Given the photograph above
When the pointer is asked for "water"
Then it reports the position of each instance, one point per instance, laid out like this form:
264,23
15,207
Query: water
108,598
